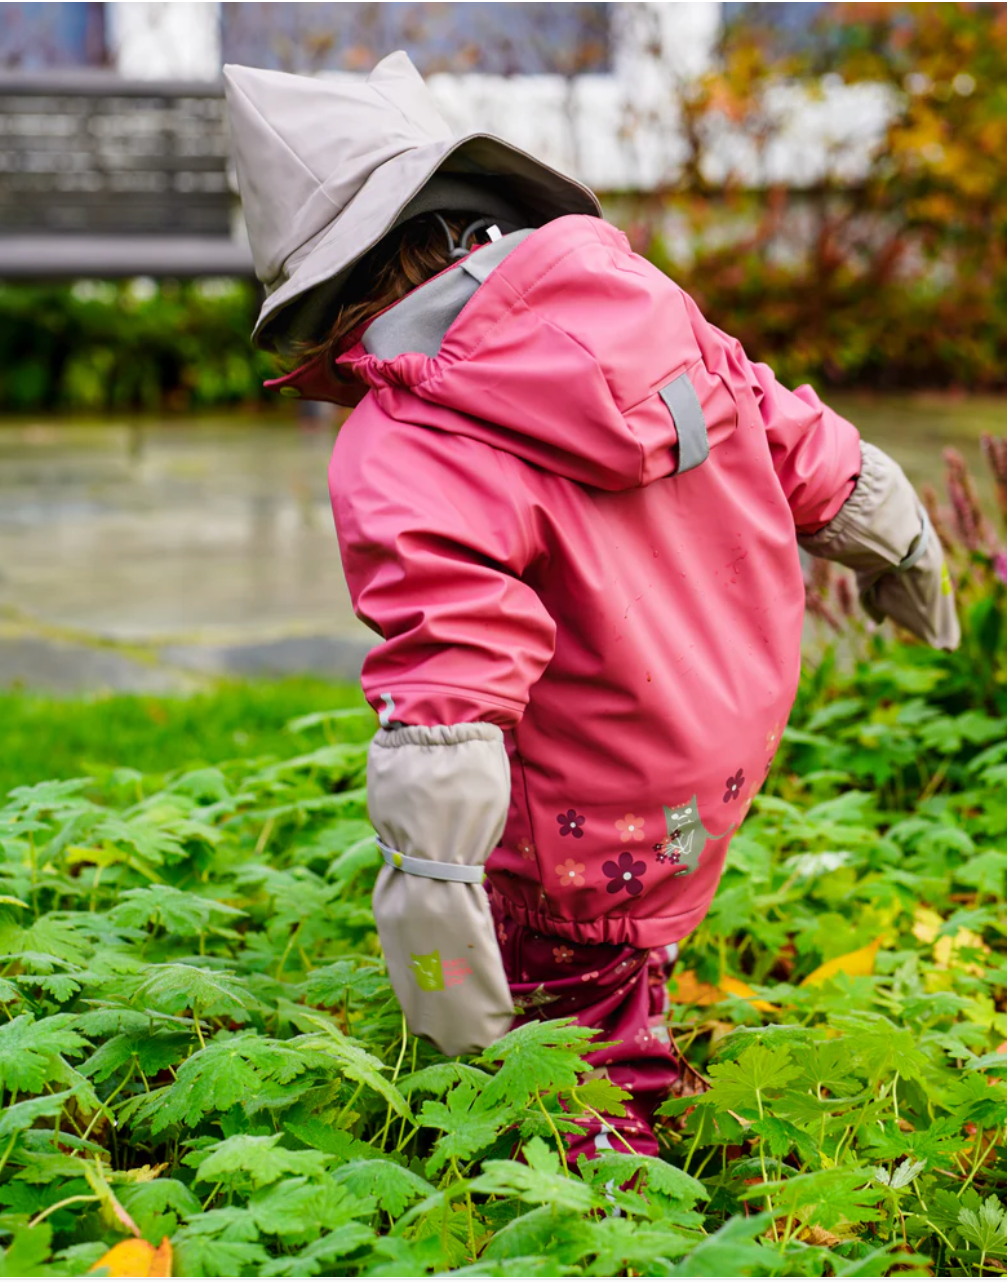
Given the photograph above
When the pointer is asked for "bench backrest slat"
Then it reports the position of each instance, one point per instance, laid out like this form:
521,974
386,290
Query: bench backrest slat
94,155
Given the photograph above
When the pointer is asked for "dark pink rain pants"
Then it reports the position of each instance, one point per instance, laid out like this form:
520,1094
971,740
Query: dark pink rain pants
619,990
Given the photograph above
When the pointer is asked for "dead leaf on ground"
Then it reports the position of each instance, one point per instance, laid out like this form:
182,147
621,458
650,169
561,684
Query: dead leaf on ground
686,988
812,1234
136,1258
859,962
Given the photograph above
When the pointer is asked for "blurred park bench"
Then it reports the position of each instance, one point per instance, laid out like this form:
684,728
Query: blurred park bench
105,177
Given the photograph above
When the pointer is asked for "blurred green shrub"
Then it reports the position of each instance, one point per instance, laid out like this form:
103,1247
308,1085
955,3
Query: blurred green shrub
896,279
98,346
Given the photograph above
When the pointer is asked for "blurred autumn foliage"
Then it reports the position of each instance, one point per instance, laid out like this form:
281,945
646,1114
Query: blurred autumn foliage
894,277
884,267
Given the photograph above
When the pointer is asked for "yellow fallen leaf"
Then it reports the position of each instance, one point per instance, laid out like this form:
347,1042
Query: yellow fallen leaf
860,962
136,1258
140,1174
736,988
946,951
927,924
686,988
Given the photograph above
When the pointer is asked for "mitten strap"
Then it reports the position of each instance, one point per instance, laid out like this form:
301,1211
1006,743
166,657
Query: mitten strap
429,867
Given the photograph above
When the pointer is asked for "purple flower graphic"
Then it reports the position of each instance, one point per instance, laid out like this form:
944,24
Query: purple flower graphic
733,786
571,823
625,874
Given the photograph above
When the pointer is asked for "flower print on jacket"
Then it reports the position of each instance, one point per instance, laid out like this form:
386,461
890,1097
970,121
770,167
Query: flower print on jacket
667,852
630,828
733,786
750,795
625,874
562,954
572,823
526,849
570,873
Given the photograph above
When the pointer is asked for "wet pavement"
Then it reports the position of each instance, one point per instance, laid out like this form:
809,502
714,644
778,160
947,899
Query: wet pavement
151,556
162,555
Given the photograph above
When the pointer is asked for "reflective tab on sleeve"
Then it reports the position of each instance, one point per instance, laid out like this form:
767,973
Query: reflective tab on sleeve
691,428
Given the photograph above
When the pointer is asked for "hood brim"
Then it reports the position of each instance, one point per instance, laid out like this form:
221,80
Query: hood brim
300,309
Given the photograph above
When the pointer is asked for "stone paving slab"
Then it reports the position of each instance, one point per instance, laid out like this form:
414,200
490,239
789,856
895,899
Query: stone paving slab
58,666
336,657
66,667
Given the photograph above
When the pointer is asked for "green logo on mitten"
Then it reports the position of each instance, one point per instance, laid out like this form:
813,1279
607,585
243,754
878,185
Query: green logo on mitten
428,972
433,975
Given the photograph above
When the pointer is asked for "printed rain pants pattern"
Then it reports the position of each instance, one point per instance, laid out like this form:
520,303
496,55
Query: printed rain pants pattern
621,991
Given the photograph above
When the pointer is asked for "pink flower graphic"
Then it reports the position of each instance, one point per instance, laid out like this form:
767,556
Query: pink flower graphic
588,975
643,1037
630,828
562,955
526,849
570,872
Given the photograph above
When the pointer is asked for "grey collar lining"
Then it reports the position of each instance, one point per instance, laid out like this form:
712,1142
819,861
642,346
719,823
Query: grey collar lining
421,320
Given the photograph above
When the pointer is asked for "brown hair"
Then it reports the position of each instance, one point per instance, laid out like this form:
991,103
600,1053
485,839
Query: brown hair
403,259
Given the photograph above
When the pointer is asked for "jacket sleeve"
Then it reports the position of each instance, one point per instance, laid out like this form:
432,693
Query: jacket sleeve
435,537
815,451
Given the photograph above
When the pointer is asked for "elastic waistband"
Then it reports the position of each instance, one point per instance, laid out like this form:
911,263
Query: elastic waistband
637,932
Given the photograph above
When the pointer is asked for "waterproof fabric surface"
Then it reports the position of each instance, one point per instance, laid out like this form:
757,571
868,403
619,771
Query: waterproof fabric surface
621,991
513,523
438,798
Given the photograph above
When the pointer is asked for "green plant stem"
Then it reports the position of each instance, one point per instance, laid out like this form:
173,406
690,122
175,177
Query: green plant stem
264,836
104,1110
7,1150
409,1100
395,1075
286,952
196,1025
980,1159
345,1111
58,1206
469,1211
611,1130
561,1148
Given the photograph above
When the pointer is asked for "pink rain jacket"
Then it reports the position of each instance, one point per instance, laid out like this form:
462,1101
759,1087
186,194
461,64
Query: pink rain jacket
514,523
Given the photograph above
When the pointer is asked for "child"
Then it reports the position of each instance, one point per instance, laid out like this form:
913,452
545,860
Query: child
572,509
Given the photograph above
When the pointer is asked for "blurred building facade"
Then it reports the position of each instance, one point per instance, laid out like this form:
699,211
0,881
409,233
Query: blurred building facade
592,87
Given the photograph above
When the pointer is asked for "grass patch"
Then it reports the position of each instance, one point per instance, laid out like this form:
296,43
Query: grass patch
48,737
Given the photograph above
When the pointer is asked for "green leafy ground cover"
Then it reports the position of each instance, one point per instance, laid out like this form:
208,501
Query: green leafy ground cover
199,1042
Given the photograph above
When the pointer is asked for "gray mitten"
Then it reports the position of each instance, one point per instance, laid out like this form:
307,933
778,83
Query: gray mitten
438,798
883,534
